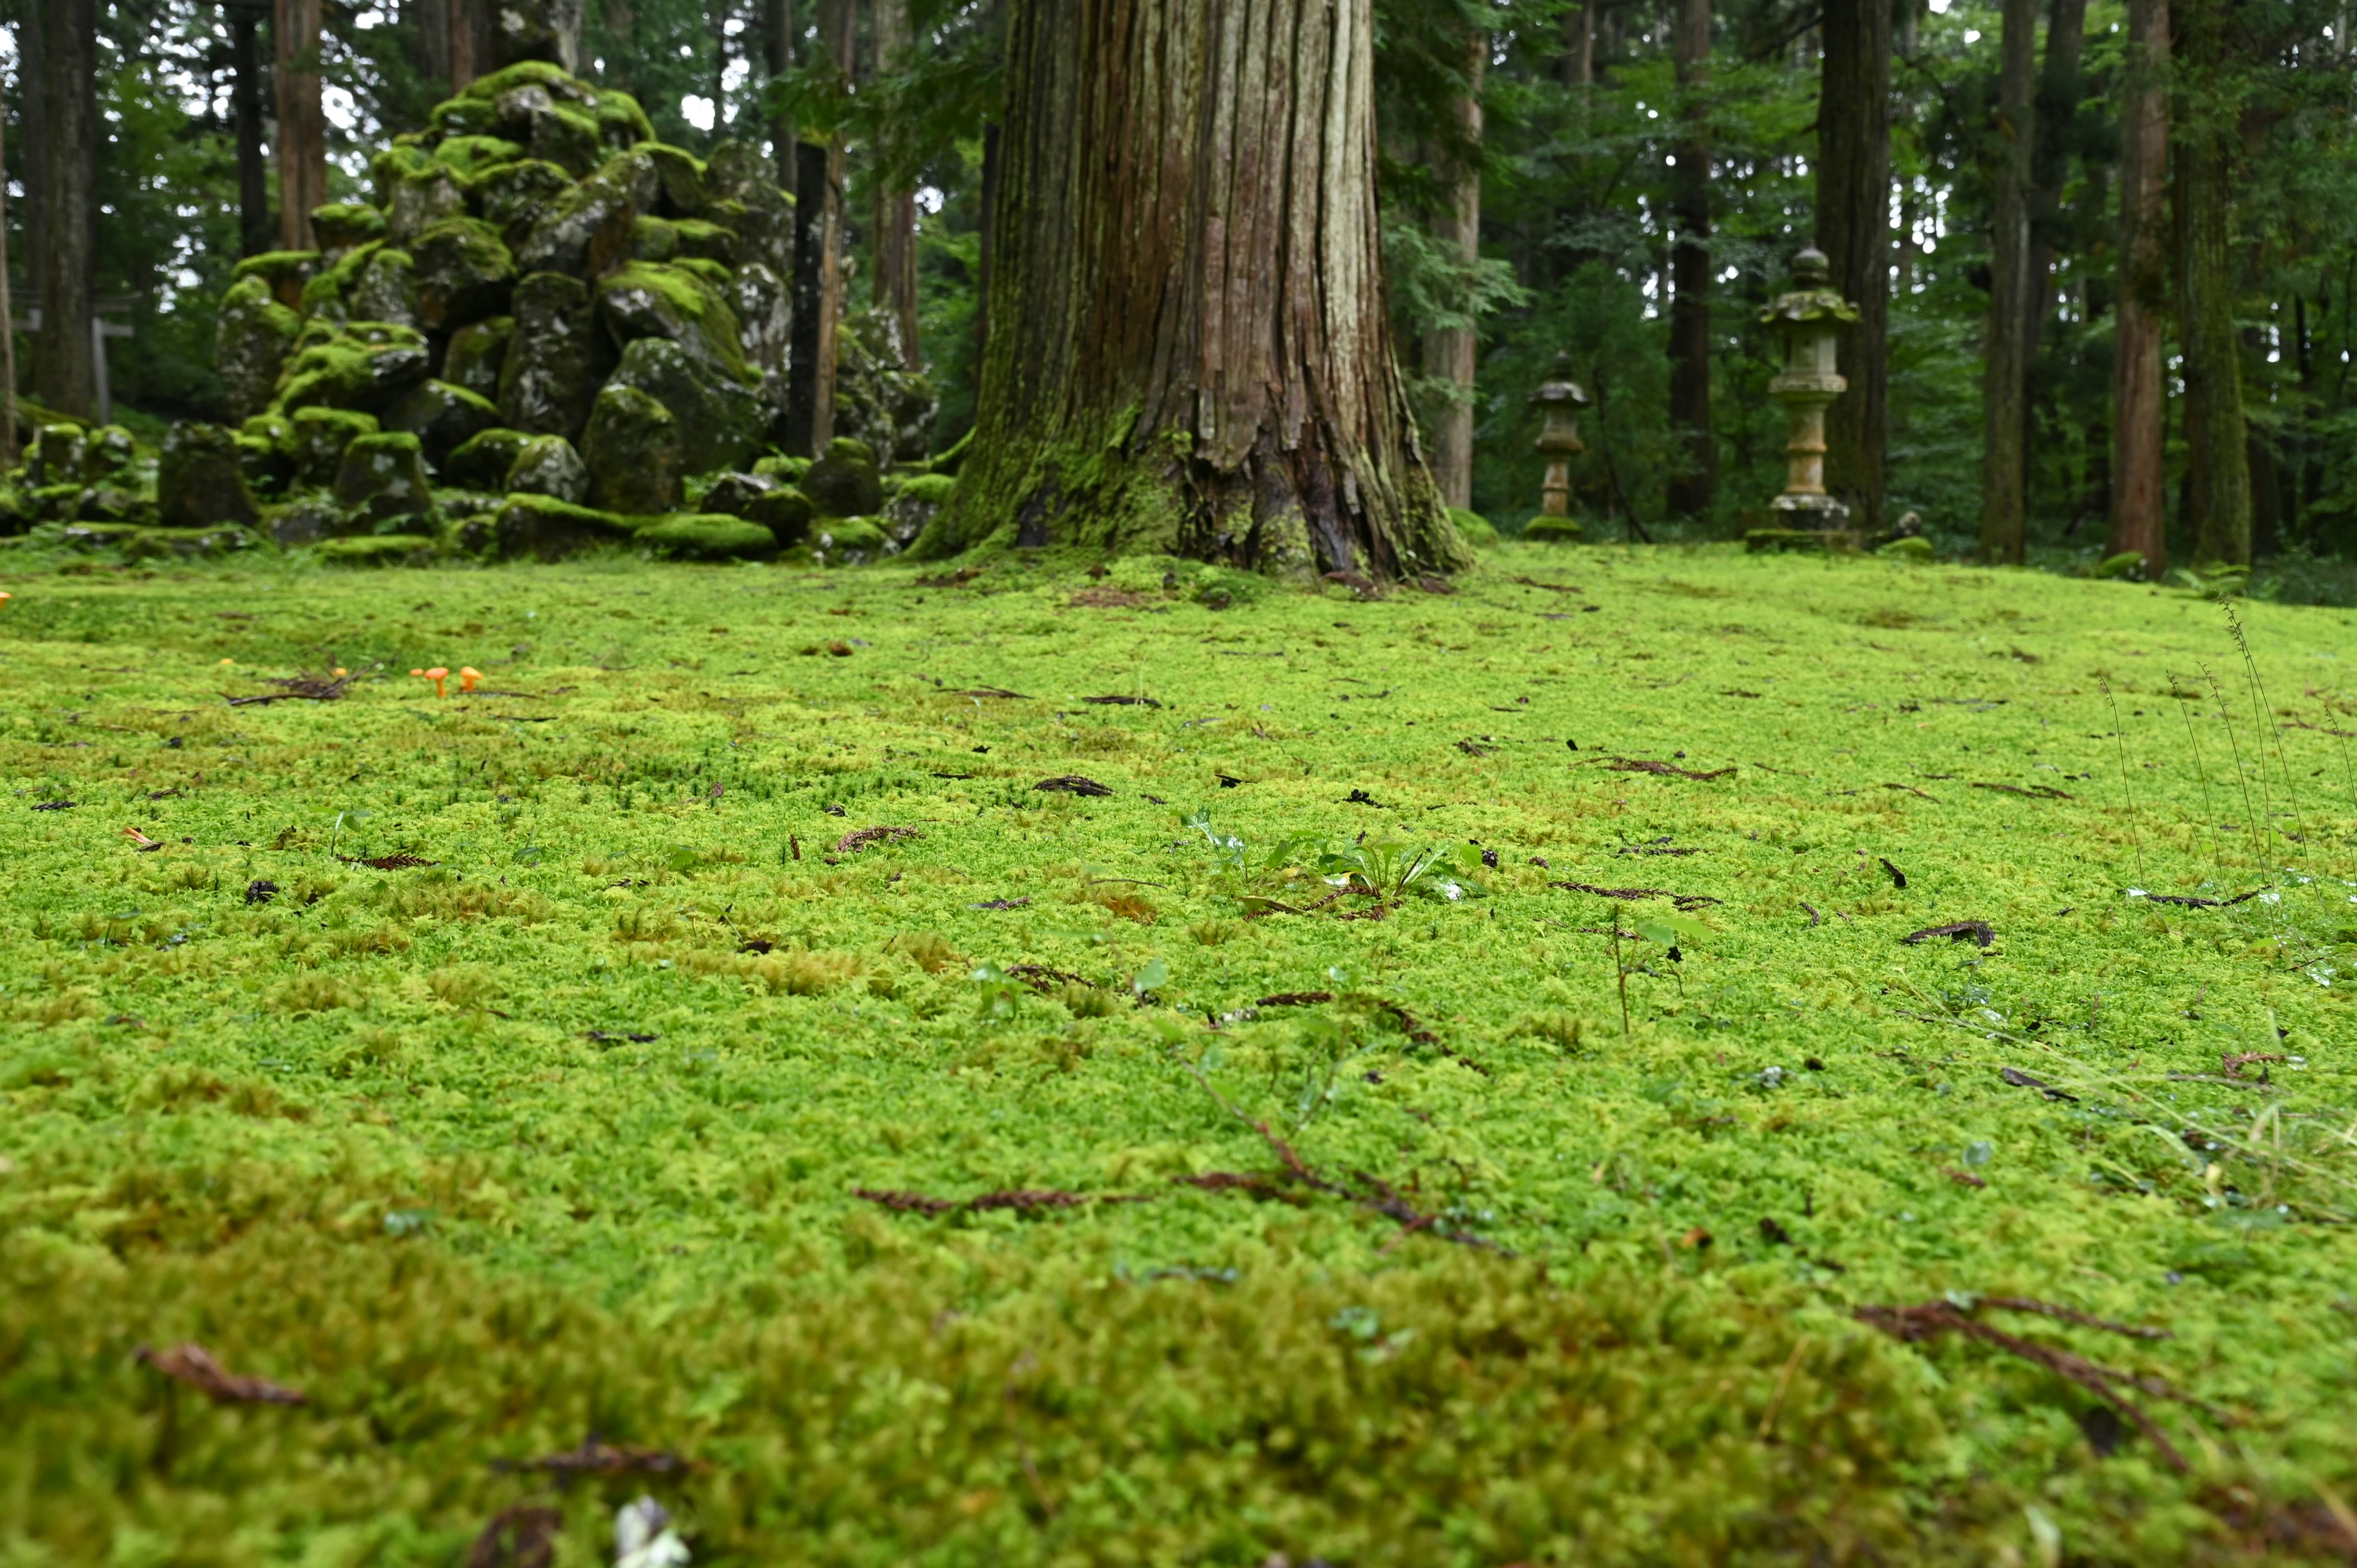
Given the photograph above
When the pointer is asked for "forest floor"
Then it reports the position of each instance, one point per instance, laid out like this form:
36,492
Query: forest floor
708,1061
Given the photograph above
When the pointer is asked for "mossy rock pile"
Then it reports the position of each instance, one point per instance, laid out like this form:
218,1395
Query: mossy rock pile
538,300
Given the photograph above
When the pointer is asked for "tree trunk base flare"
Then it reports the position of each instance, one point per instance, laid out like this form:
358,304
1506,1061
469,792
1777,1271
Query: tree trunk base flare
1190,352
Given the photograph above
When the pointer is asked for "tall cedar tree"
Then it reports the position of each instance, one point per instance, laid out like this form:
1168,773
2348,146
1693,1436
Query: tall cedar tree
1690,265
66,372
7,320
302,123
2004,346
245,123
1189,347
2138,392
1854,231
1451,353
893,238
2218,473
818,257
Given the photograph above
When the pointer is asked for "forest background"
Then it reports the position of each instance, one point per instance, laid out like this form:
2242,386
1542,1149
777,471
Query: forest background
1625,183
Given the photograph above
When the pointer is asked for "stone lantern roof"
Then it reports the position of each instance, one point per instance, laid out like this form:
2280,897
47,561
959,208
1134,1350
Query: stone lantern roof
1812,300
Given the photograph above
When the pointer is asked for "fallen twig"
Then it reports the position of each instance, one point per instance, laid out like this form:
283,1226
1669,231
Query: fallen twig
1682,900
596,1456
860,838
1980,931
1646,765
192,1364
1023,1200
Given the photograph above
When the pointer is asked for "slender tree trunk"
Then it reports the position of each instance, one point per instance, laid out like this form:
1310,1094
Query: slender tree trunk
1190,349
2139,508
1451,353
1580,50
1854,231
2218,490
433,19
33,76
67,370
777,36
7,318
1690,492
818,262
894,242
470,40
245,114
302,123
2005,467
2059,86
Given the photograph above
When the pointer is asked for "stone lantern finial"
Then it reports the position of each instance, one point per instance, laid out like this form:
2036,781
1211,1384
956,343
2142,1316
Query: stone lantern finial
1810,319
1559,403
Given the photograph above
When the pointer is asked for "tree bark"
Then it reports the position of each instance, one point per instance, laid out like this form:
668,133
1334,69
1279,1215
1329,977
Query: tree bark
1579,49
66,372
2218,474
1190,349
1854,231
1690,492
33,77
7,317
777,36
2059,86
993,155
470,40
1451,353
818,262
2005,351
2139,513
433,39
302,123
245,115
894,242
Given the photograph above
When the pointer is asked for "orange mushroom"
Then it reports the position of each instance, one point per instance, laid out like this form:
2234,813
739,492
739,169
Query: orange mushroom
438,675
467,676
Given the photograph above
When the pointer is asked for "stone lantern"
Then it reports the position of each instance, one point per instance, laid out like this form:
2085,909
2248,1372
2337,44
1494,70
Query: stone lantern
1810,319
1559,403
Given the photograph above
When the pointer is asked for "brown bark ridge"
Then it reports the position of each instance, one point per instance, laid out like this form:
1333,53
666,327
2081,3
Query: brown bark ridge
1854,231
818,263
894,240
302,123
65,373
2218,473
470,40
245,122
1451,353
2059,86
7,319
778,33
2005,349
2140,514
1189,347
32,75
1690,492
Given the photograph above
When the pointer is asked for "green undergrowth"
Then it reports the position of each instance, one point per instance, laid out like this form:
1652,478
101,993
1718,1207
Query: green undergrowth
1329,1207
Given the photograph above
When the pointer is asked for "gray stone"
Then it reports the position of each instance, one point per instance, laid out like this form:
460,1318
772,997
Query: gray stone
720,421
306,521
844,483
741,194
423,198
735,494
382,476
549,529
251,342
786,512
443,417
632,450
483,464
878,399
319,438
513,198
464,274
681,302
557,360
707,537
386,289
363,364
548,466
198,480
763,303
599,209
476,354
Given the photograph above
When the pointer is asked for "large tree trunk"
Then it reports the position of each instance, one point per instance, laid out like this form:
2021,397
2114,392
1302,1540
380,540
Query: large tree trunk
470,40
2218,474
777,36
7,318
66,371
894,242
2005,370
993,155
1190,349
1854,231
245,116
1690,267
433,19
1451,353
2140,514
818,263
2058,87
302,123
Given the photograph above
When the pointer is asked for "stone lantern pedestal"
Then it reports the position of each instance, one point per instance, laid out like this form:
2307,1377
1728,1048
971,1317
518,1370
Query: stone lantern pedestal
1810,319
1559,403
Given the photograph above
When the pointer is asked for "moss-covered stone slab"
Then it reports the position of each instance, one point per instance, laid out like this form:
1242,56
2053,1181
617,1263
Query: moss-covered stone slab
382,476
735,493
380,549
386,289
304,521
252,338
846,541
845,483
55,456
363,365
443,417
465,272
513,198
608,202
470,156
741,194
708,537
676,302
721,420
186,544
546,529
200,480
319,437
284,272
548,466
1473,528
1552,531
483,463
423,198
912,504
786,512
632,448
557,360
763,304
476,355
341,225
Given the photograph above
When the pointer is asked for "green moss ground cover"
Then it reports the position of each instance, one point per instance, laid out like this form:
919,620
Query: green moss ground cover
564,1130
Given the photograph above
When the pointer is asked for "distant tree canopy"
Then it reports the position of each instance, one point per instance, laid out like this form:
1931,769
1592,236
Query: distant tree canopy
1623,181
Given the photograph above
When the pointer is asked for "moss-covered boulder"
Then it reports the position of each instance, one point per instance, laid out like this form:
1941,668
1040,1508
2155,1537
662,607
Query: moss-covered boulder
484,462
720,418
632,450
741,194
56,455
342,225
424,198
382,478
198,479
465,272
546,529
304,521
286,273
735,494
365,365
708,536
1473,528
557,360
548,466
845,483
678,301
878,399
514,198
846,541
251,338
184,543
109,452
1552,531
602,208
475,355
380,549
471,155
443,417
912,504
763,304
319,436
785,511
